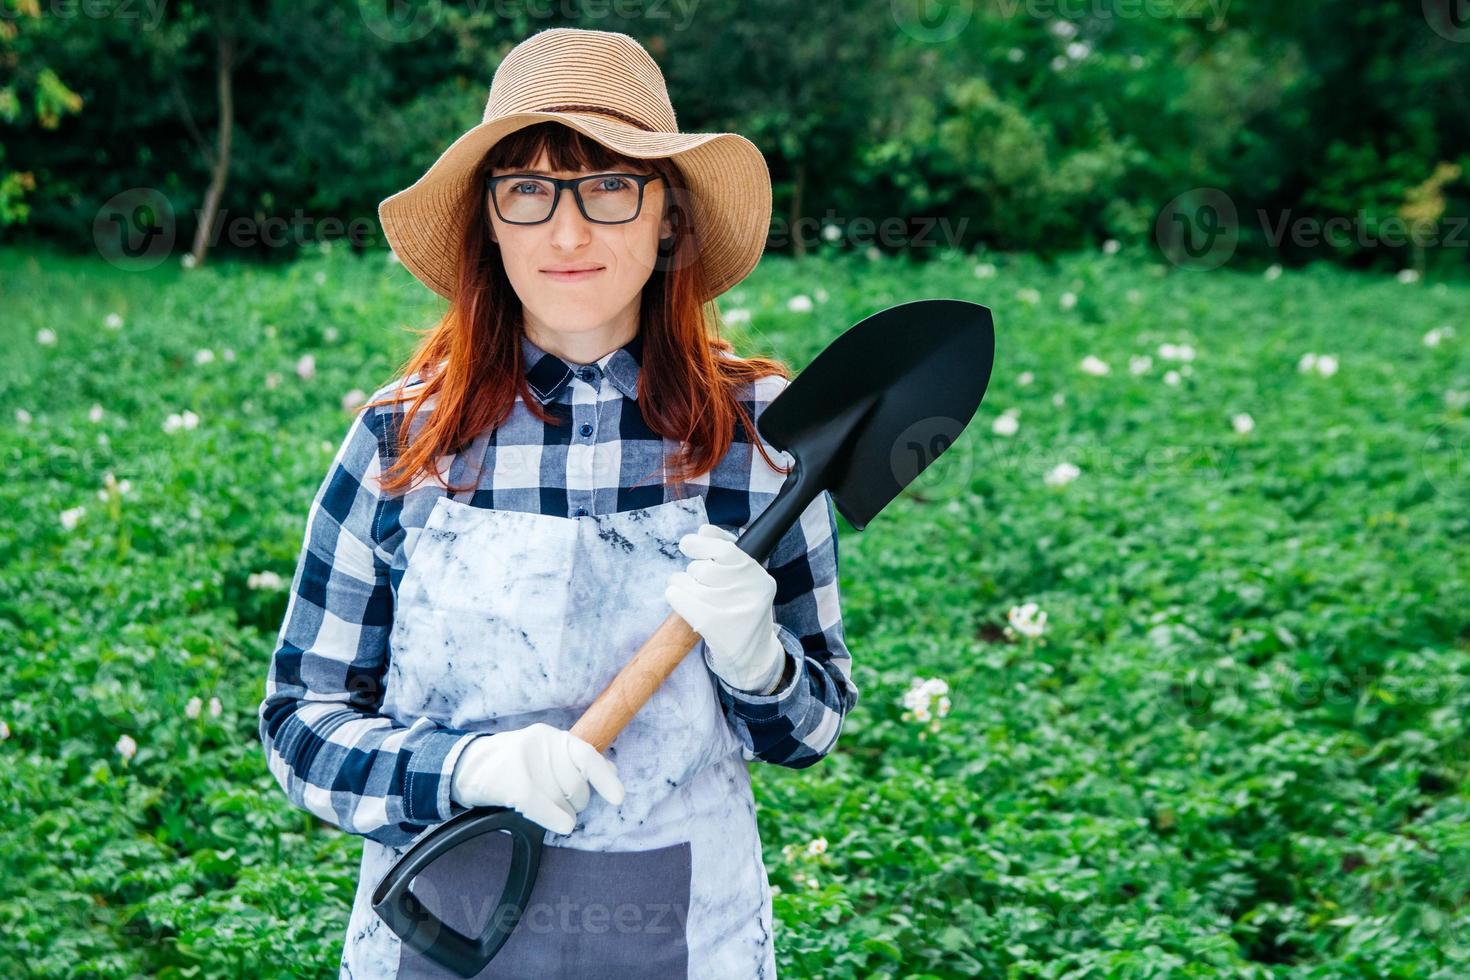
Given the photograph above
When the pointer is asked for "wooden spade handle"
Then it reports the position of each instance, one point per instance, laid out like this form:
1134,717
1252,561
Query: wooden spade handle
636,682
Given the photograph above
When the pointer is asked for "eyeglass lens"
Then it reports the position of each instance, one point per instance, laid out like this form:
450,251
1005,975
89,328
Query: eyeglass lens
606,198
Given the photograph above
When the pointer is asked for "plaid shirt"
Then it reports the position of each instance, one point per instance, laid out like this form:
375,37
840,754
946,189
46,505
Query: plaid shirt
327,745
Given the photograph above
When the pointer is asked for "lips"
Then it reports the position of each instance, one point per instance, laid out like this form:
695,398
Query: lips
575,276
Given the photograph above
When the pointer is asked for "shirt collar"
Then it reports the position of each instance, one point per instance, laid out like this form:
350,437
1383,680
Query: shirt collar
548,374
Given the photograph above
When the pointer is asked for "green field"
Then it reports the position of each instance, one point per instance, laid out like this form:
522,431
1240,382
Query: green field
1240,747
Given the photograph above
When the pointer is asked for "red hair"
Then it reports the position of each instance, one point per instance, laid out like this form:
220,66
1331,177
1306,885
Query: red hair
689,384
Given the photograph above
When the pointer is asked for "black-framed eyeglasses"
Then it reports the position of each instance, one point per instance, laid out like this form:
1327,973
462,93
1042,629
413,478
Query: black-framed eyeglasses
529,199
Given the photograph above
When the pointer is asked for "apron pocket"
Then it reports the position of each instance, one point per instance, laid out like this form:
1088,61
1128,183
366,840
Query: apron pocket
593,915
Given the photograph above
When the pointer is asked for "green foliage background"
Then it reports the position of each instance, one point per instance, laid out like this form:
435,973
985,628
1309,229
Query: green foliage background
1045,126
1239,748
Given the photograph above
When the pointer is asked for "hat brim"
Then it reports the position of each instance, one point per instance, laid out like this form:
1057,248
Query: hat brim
728,181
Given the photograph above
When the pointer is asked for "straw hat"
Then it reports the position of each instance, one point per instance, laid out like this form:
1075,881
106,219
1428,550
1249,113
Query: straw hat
605,85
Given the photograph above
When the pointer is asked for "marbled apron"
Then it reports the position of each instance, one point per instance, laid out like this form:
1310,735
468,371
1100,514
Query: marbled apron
506,618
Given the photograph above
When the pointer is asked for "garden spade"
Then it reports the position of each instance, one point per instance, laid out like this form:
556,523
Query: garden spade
867,416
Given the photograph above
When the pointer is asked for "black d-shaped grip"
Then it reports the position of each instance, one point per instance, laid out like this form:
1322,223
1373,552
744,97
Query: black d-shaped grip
412,922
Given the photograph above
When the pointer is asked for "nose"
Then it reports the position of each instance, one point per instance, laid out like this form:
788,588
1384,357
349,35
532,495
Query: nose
569,230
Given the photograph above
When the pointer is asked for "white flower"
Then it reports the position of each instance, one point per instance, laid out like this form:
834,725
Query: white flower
1059,63
1434,337
922,697
327,447
1307,363
1135,61
71,515
1242,422
1058,400
738,315
111,483
203,356
1064,29
46,337
176,421
1061,474
1094,365
799,304
1408,275
1327,365
1456,399
1027,619
818,846
873,252
1006,423
1025,378
1176,352
1139,364
1134,296
22,416
1171,377
306,367
1273,272
272,379
191,710
1111,246
126,747
1078,50
321,278
1028,296
1016,55
4,731
215,707
114,321
984,270
188,261
95,414
820,294
831,232
266,581
330,333
393,258
1068,300
352,399
229,355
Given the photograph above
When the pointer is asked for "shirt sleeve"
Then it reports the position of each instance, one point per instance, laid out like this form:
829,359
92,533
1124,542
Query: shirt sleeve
798,724
326,744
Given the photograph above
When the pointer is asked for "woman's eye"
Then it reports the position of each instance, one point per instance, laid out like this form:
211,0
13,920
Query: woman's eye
519,188
612,184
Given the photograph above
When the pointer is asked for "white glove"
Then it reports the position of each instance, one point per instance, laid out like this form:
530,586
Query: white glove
539,770
727,596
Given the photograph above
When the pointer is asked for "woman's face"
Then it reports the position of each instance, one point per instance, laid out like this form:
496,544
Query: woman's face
603,302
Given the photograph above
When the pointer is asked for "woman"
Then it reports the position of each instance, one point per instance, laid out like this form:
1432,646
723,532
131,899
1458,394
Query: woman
594,455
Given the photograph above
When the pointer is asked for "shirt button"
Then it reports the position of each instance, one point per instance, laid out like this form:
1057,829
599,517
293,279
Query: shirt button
586,429
580,512
587,374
